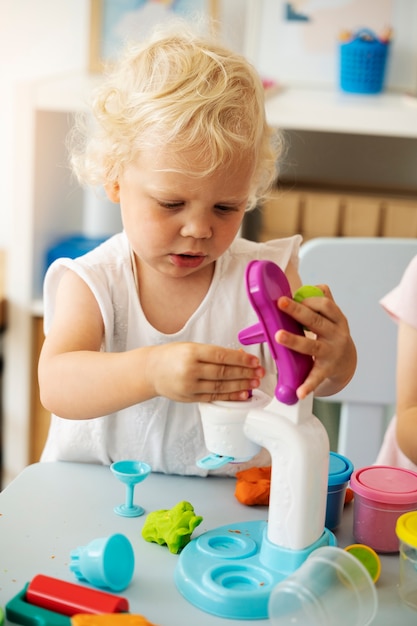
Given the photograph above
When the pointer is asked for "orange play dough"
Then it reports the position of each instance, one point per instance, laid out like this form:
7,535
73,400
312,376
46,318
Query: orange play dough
109,619
253,485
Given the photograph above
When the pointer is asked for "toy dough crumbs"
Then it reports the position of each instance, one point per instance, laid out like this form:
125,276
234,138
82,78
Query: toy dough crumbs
109,619
253,485
171,527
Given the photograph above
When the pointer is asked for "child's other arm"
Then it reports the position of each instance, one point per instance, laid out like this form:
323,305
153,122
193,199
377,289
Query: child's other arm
407,390
329,341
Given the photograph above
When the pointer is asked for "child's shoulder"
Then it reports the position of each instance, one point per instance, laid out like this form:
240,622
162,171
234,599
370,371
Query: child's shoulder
274,250
400,302
107,259
411,270
113,248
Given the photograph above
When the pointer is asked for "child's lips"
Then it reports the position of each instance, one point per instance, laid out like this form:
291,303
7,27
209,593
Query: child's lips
187,260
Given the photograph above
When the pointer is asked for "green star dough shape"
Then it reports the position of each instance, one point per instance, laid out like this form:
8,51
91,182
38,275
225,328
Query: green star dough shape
171,527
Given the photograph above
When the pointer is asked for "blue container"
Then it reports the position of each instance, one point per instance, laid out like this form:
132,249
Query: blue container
363,61
340,470
72,247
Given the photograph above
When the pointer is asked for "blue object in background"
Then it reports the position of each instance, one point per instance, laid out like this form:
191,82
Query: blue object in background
72,247
363,62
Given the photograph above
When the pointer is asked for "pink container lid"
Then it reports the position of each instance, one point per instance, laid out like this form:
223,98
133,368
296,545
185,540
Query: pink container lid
392,485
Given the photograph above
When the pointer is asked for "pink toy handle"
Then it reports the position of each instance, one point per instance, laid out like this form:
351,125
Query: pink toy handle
265,283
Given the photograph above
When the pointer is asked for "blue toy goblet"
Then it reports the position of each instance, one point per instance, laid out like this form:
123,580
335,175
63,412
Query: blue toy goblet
130,473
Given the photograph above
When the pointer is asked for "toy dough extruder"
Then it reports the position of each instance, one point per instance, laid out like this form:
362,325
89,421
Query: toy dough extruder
231,571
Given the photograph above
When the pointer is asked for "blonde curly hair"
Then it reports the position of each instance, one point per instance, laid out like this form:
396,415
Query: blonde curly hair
185,91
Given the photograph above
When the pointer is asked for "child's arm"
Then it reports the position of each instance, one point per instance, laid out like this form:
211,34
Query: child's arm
407,390
78,381
329,341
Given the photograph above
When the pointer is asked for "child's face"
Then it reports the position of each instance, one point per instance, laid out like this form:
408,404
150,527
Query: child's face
180,224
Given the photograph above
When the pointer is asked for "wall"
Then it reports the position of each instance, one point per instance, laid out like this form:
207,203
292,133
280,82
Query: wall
37,38
350,161
45,37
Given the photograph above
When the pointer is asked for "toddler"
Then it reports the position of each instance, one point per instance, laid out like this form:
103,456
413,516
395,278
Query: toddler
145,326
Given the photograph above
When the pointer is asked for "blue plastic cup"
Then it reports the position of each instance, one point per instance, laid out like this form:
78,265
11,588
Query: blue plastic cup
106,562
340,471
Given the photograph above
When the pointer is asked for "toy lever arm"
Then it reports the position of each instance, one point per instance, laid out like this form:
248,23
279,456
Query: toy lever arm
265,284
252,334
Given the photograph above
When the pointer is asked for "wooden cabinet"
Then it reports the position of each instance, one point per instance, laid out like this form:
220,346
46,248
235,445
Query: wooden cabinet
47,205
334,213
3,302
40,417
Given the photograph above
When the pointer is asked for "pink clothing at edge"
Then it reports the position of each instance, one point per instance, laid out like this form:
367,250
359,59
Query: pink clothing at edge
401,304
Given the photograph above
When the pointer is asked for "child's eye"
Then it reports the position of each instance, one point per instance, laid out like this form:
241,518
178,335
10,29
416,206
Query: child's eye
223,208
171,205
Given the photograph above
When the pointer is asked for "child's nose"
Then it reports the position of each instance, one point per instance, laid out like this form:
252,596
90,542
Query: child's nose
197,227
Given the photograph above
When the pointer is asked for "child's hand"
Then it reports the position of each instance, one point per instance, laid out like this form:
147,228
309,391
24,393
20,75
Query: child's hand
195,372
332,348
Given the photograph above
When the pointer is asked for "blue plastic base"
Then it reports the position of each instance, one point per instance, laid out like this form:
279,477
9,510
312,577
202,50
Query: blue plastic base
231,571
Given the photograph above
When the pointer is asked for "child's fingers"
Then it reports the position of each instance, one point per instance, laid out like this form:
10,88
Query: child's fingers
311,311
225,356
213,372
299,343
204,373
313,380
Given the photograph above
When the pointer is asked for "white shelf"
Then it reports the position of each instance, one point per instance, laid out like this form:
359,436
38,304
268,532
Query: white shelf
69,92
386,114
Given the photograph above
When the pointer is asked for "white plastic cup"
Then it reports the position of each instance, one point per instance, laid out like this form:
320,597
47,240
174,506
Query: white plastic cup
406,530
223,423
331,587
106,562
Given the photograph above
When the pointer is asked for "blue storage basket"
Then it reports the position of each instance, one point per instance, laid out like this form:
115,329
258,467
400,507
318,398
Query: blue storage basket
363,61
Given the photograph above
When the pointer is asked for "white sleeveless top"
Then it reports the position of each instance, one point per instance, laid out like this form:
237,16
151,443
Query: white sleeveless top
166,434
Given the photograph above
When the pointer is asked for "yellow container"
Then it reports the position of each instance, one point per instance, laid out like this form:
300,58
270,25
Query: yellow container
406,529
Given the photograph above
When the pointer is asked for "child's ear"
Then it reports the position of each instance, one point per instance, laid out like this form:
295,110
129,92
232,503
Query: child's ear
113,191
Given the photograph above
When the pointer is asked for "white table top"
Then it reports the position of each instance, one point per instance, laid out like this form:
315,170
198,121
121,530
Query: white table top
52,508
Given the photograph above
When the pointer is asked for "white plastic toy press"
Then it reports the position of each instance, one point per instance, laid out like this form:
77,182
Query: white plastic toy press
232,574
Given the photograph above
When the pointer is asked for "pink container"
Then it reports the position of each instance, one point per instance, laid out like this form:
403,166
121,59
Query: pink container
382,494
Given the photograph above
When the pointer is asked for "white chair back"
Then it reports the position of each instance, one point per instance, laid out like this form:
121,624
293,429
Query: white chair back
359,271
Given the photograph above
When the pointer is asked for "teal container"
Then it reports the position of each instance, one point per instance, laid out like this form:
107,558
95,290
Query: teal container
340,471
